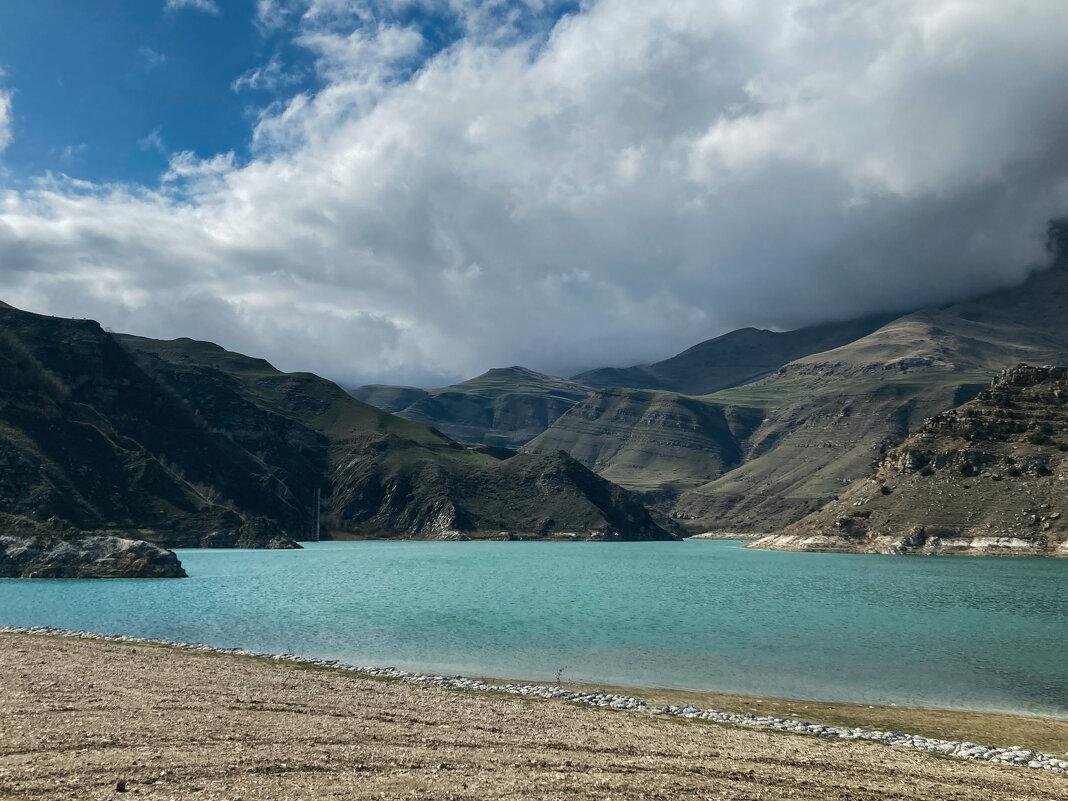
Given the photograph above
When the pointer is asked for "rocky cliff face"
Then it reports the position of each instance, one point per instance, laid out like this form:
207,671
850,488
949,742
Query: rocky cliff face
988,477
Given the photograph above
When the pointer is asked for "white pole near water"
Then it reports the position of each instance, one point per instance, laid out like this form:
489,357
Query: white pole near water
315,512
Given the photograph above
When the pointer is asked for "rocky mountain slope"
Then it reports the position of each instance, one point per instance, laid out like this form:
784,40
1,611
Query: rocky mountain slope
183,443
382,488
985,477
90,441
659,443
753,457
504,407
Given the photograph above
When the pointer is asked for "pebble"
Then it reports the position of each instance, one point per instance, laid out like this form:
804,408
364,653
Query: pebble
1015,755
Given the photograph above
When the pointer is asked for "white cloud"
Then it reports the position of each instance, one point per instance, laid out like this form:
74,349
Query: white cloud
206,6
645,175
270,77
153,140
71,152
5,118
153,58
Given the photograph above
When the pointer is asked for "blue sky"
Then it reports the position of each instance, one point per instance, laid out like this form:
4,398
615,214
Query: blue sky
106,89
414,191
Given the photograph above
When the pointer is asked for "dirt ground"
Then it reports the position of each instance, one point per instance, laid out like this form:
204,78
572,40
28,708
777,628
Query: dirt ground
79,719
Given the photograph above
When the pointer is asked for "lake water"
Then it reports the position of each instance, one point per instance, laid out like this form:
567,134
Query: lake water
972,633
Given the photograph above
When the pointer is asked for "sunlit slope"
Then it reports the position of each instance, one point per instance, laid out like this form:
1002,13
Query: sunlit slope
818,434
655,442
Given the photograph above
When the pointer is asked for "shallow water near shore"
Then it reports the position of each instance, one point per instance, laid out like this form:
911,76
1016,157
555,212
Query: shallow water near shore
967,633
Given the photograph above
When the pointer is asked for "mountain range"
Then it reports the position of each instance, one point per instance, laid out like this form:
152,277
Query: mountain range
749,432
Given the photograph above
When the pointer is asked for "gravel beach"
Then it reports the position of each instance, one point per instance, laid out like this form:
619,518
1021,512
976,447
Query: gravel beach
92,720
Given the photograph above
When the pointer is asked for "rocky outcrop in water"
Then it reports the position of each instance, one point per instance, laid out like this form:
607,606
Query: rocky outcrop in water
87,556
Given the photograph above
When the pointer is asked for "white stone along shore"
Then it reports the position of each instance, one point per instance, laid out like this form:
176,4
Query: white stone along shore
1014,755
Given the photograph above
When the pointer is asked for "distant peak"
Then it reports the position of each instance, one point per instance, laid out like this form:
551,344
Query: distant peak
517,370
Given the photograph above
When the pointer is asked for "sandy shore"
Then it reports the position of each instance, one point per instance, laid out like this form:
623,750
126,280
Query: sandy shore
79,717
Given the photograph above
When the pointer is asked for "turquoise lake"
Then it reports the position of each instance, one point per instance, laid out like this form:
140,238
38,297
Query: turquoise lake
971,633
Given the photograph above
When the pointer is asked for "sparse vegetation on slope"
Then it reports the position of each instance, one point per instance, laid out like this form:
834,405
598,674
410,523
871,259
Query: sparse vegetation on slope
659,443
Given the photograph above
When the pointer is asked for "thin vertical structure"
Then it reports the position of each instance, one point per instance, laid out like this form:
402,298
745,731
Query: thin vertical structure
315,513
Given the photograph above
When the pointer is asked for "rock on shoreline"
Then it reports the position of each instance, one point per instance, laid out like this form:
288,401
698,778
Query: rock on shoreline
1013,755
88,556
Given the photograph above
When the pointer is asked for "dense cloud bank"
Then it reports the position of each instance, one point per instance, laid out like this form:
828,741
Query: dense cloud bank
606,186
